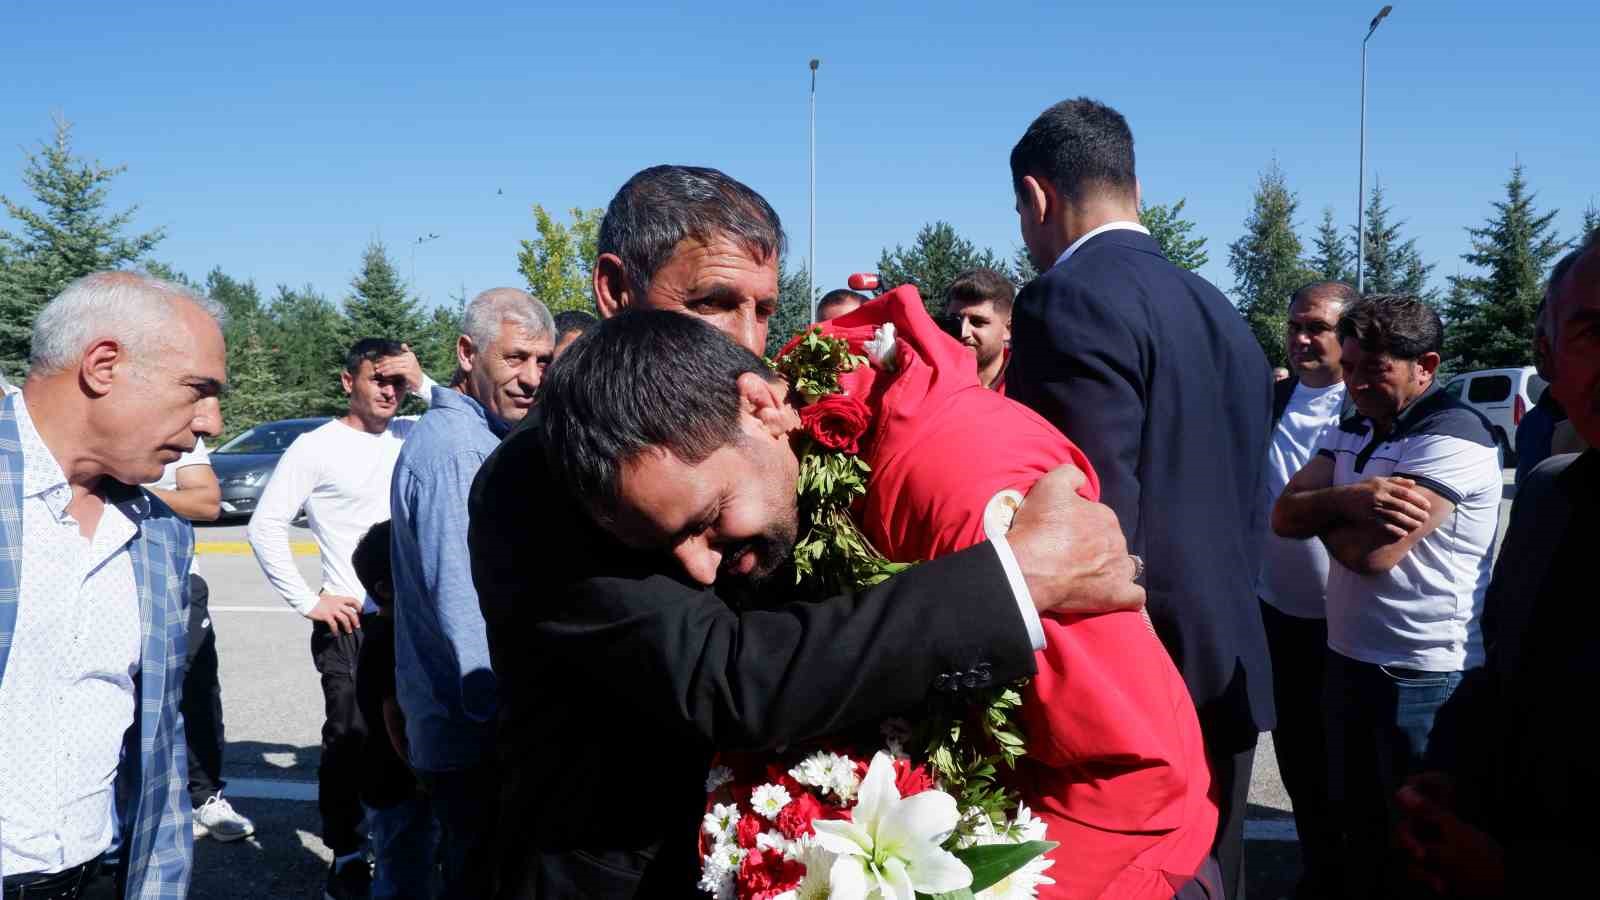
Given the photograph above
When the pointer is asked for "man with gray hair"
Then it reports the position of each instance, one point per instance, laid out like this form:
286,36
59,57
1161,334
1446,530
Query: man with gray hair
445,684
125,372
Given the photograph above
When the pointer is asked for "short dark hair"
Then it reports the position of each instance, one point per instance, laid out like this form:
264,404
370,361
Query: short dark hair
371,350
1081,146
1328,289
371,562
646,378
1401,325
840,295
982,286
663,205
570,320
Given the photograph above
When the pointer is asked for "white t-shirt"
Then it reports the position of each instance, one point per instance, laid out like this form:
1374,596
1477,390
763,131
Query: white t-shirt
1294,573
168,481
1424,612
341,476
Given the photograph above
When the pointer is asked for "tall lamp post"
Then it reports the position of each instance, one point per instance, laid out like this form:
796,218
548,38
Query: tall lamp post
811,264
1361,178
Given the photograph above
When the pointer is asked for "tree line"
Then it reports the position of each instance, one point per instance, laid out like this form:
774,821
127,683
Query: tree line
285,346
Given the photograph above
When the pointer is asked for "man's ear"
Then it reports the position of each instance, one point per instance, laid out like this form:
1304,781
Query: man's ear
1007,337
1429,364
346,381
768,403
1035,199
612,294
97,371
465,353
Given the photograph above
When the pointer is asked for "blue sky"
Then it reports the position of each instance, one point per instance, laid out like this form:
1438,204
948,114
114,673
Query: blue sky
276,139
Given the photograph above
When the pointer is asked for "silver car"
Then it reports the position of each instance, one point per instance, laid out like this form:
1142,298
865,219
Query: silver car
244,464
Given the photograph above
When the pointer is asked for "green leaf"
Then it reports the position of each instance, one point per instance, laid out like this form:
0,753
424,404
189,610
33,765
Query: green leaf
963,894
991,862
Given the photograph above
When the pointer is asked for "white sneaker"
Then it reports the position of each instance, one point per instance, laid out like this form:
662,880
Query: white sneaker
217,818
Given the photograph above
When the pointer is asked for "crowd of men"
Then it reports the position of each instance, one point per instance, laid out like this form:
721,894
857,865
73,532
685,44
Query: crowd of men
1317,556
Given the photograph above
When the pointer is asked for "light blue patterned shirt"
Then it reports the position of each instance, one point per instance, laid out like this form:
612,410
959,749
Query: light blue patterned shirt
443,681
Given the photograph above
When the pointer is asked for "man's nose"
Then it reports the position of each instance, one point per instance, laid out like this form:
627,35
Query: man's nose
966,328
699,560
528,379
208,418
749,330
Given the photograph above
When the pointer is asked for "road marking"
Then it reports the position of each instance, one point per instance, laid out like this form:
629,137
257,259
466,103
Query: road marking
306,792
273,609
242,548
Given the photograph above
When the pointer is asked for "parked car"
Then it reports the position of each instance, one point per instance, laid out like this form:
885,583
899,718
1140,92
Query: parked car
244,464
1503,396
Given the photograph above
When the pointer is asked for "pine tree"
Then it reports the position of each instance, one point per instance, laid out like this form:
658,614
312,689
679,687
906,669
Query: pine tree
437,348
934,260
308,339
1022,268
794,309
557,264
69,236
256,394
1492,314
1266,262
1333,260
1393,266
378,305
1172,232
1590,223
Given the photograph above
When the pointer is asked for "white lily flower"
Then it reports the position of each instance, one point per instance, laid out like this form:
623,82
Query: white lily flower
891,849
881,349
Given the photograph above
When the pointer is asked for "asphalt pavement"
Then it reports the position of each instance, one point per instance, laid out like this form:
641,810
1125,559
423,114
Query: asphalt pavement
272,707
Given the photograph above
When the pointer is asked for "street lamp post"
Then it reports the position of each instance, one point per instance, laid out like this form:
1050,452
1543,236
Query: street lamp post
811,264
1361,177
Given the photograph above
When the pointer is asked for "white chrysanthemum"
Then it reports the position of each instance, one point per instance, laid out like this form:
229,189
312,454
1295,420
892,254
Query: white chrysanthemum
722,822
1024,883
717,777
718,870
820,770
881,349
845,782
768,800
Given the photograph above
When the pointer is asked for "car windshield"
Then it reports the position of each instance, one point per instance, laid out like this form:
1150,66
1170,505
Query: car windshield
273,437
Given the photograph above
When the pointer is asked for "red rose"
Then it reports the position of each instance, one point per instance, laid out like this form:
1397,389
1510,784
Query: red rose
745,832
909,779
795,819
837,422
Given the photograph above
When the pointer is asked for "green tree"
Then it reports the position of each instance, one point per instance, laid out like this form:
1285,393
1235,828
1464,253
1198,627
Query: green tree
1332,260
378,305
69,235
1266,262
934,260
256,393
794,308
436,350
1590,223
308,339
1174,234
557,264
1492,314
1393,265
1022,269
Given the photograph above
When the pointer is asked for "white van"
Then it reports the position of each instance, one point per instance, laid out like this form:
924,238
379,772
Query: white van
1503,396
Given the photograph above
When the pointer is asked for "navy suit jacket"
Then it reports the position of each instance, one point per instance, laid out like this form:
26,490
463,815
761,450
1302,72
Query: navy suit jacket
1149,369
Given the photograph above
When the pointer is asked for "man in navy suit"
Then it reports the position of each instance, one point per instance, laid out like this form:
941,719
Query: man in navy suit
1150,370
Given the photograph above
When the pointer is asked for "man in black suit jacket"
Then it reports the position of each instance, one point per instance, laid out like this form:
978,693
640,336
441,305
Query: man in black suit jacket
1155,375
618,680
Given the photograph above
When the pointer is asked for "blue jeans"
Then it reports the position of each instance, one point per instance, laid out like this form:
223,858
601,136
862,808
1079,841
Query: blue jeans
405,841
1379,719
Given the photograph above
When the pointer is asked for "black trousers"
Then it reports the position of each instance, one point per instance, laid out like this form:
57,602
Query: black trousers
201,702
465,804
343,733
1231,773
1299,653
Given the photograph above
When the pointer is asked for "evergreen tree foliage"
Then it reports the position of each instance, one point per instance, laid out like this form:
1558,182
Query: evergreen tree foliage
256,394
378,305
1174,234
1392,264
1266,262
1590,223
794,308
934,260
1333,259
308,338
436,350
1491,315
1022,270
67,235
557,264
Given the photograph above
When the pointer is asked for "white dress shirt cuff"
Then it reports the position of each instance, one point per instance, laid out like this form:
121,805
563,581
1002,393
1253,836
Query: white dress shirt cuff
1019,590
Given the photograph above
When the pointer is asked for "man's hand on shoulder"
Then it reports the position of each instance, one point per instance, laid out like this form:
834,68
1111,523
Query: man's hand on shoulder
1071,550
342,614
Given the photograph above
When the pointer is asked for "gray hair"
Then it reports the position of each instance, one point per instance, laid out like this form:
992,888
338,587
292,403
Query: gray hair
488,311
663,205
132,308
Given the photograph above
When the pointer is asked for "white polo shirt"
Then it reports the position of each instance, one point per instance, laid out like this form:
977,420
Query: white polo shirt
1423,613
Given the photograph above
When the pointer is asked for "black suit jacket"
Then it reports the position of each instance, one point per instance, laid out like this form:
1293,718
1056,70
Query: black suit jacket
617,681
1151,371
